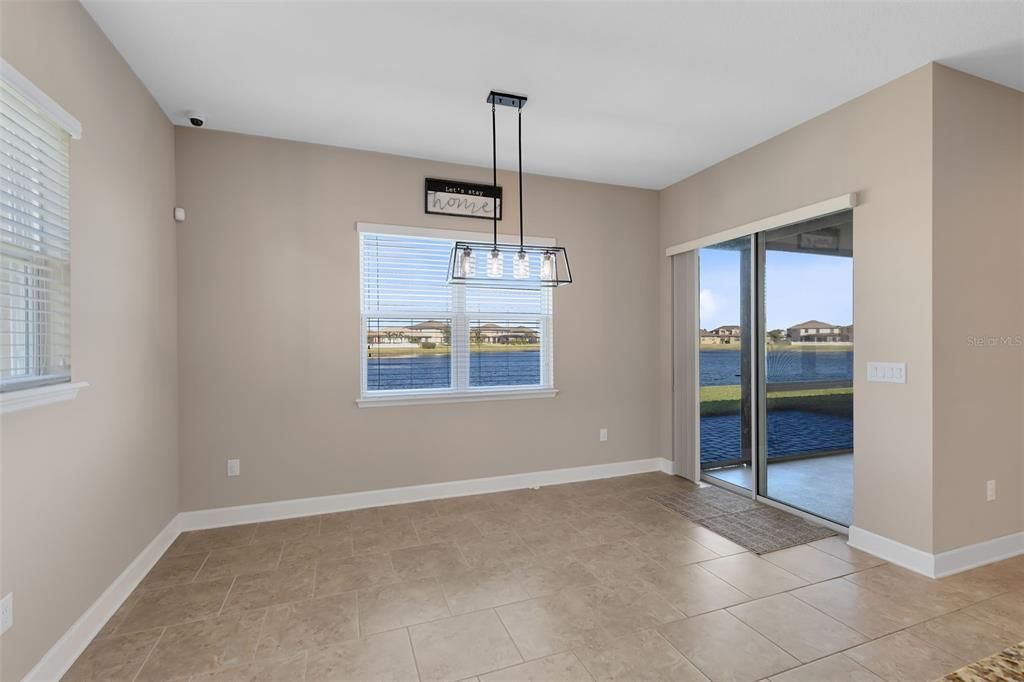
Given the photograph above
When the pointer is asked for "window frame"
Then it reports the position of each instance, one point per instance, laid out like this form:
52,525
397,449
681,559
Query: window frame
460,389
34,390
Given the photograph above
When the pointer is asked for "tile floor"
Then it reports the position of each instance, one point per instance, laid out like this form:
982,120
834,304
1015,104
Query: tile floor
587,581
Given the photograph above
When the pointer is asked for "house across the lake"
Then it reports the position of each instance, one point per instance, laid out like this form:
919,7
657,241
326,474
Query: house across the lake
726,334
815,331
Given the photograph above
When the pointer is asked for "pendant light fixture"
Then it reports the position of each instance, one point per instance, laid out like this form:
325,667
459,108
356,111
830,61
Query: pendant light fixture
532,267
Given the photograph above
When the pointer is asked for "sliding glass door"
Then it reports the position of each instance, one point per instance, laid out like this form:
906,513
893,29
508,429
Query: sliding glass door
776,365
726,362
806,450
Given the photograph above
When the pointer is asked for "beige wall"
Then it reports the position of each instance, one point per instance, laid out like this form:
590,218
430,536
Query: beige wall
87,484
937,160
269,320
880,146
977,245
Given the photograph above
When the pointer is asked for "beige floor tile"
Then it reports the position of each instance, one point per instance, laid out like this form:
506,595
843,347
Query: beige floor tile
724,648
693,590
114,622
384,538
323,547
385,656
553,537
576,617
837,547
204,646
462,646
281,586
673,549
978,584
907,587
713,541
227,563
651,517
643,655
193,541
428,561
114,658
342,522
291,669
964,636
597,528
287,529
1005,612
173,605
753,575
174,570
481,588
453,528
836,668
618,564
401,604
409,510
547,574
867,612
359,572
902,656
501,521
311,624
464,505
564,667
801,630
493,549
809,563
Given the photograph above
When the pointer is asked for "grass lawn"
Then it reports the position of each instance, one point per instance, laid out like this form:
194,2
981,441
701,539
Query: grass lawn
723,400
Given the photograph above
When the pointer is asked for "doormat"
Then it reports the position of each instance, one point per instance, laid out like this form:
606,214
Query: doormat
755,526
1006,665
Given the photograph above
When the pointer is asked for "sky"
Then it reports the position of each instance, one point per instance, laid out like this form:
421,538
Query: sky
798,287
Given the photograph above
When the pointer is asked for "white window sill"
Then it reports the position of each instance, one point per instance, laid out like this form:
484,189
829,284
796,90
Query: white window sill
464,397
15,401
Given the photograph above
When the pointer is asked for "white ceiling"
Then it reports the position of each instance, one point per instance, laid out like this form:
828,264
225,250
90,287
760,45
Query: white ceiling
640,94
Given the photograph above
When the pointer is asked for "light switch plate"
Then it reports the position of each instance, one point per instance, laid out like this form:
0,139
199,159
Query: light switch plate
887,372
234,467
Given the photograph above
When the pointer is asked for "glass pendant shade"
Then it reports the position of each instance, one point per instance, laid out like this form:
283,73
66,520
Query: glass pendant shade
549,267
521,266
467,263
495,264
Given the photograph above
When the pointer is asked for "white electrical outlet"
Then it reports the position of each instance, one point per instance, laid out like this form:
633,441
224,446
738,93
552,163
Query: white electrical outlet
234,467
990,490
6,612
602,435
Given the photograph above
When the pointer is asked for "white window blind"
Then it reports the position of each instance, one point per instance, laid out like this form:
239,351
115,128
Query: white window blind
35,244
424,336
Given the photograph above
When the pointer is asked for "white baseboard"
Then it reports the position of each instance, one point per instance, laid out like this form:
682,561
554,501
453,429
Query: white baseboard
56,662
307,506
972,556
894,552
941,564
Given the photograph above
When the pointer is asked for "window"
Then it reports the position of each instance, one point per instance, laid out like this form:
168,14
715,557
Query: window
35,246
424,338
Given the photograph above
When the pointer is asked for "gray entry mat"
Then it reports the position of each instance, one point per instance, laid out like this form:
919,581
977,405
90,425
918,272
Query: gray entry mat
756,526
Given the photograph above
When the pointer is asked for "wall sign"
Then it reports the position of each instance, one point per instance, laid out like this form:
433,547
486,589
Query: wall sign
467,199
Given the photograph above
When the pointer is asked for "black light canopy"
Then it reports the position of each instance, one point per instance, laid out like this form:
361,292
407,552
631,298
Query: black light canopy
508,266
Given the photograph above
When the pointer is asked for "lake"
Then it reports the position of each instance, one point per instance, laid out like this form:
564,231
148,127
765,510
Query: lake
498,368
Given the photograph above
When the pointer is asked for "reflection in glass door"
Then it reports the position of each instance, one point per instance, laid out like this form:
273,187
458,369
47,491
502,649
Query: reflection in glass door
806,297
725,362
